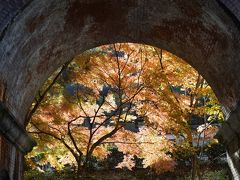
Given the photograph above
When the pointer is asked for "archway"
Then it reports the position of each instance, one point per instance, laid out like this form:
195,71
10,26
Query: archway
48,33
77,105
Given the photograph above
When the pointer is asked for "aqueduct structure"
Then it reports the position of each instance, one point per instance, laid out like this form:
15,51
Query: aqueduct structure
38,36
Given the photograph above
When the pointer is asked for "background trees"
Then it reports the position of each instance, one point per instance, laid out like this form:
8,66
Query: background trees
129,96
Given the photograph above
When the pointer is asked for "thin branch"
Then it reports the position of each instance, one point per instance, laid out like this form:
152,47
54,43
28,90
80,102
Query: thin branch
199,83
165,77
103,138
128,57
124,142
42,96
80,106
108,118
45,133
72,138
159,57
98,109
57,138
91,124
119,73
133,96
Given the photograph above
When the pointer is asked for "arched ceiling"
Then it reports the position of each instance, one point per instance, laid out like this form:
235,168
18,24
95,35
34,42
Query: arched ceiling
9,9
39,36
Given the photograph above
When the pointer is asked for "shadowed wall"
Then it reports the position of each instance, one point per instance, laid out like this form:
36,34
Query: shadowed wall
37,37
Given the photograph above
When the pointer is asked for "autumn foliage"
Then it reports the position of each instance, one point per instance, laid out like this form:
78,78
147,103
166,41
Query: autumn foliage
125,95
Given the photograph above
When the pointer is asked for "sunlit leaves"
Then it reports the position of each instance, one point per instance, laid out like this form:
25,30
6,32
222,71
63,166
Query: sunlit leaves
106,91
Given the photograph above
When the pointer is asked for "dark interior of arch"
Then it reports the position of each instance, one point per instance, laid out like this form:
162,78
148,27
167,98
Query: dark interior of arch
37,37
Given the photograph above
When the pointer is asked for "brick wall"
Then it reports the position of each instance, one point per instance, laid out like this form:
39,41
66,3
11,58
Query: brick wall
233,6
8,10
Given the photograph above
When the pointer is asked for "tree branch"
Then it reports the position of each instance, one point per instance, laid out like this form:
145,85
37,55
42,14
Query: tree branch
41,96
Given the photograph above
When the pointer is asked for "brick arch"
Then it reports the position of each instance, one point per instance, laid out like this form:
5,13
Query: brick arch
48,33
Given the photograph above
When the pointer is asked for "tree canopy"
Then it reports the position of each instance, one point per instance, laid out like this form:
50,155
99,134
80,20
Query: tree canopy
125,95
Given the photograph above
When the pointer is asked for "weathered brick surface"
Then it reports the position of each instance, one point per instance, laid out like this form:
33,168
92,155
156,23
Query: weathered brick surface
233,6
47,33
8,10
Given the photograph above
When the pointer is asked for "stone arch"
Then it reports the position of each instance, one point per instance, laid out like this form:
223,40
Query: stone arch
47,33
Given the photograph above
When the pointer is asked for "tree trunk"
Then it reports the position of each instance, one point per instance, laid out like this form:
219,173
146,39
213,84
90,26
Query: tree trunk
79,170
195,168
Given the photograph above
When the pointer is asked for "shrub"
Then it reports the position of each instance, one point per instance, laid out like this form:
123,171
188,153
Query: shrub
210,175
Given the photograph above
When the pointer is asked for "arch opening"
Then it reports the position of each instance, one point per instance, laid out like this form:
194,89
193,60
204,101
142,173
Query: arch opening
133,98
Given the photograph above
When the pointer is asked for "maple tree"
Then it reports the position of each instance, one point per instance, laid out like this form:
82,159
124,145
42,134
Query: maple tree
91,101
